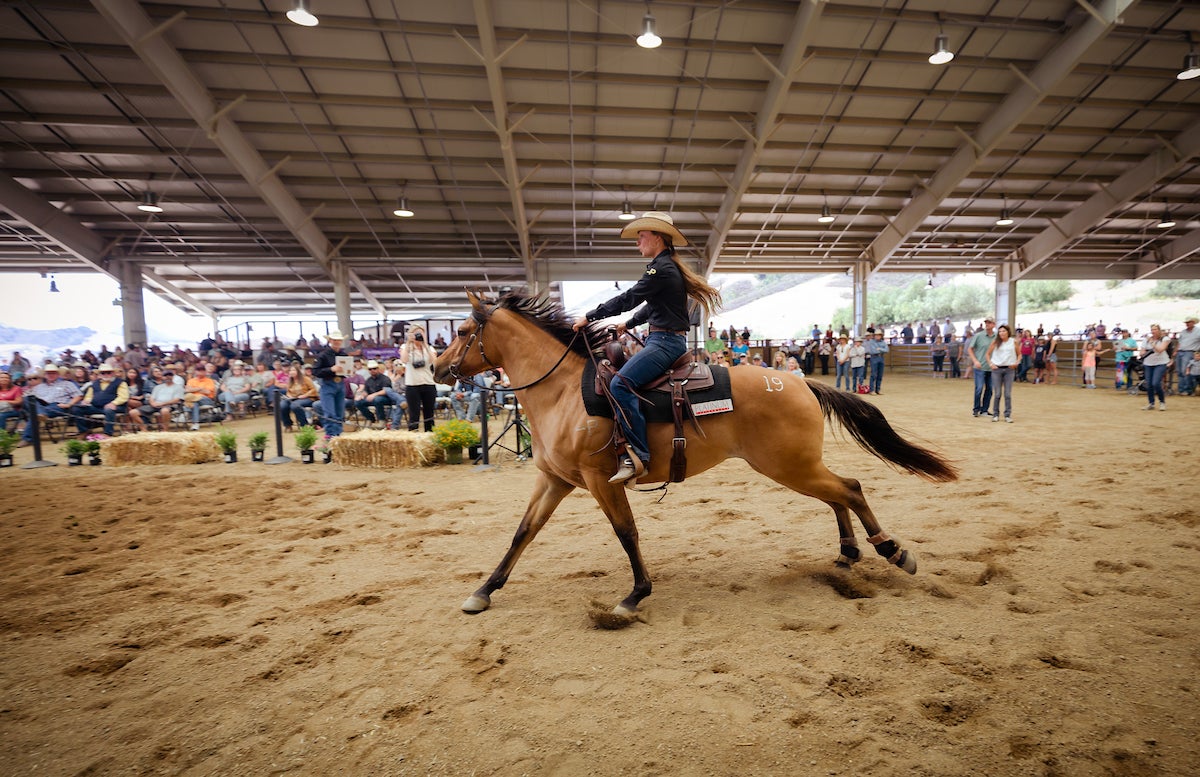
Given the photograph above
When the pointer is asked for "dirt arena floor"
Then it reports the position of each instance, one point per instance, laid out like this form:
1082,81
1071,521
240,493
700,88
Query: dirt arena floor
250,619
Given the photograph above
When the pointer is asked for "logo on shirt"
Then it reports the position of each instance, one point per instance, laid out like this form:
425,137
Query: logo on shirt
651,271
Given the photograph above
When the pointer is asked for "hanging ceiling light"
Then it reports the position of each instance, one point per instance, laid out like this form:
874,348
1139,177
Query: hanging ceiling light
1166,222
826,216
53,285
649,38
929,283
149,202
402,210
301,15
941,47
1191,66
626,212
1005,220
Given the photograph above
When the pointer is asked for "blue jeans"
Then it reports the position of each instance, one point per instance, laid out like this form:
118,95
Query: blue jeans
294,407
661,351
1154,381
333,407
199,403
82,420
372,409
843,371
859,374
1183,360
876,373
983,391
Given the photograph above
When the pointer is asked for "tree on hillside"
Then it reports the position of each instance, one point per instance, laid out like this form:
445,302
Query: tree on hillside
1035,296
1176,290
913,302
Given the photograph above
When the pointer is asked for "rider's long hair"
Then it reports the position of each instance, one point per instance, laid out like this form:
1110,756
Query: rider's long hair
697,287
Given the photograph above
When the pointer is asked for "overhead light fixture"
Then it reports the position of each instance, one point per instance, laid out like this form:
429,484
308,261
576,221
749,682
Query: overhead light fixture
1005,220
402,210
649,38
627,213
941,47
1191,67
301,15
826,216
1166,222
149,202
929,283
53,285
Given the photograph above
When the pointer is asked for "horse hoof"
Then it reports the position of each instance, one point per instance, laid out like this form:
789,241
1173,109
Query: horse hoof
908,562
623,611
476,603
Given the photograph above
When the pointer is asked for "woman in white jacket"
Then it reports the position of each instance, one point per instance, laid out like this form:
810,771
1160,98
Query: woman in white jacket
419,387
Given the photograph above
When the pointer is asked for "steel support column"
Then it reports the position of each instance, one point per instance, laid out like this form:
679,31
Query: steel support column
133,308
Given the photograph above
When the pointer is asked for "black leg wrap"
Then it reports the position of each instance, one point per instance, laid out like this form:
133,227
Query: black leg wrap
887,548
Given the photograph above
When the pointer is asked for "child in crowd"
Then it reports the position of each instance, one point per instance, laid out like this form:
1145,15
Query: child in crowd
1091,350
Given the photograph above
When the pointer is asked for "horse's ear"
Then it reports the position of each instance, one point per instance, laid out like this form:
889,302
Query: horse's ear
476,301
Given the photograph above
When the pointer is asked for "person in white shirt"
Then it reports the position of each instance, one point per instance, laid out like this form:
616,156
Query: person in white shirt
1002,354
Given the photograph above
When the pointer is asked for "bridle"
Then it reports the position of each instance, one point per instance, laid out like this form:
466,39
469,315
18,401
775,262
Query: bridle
481,320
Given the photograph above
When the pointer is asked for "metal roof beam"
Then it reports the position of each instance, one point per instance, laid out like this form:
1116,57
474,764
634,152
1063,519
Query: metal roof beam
53,224
1171,254
171,290
1053,68
774,98
1128,186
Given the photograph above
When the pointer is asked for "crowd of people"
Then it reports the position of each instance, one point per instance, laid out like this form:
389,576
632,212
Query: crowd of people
139,388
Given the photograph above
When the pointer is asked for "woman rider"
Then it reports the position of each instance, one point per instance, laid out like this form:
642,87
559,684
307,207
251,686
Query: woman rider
665,288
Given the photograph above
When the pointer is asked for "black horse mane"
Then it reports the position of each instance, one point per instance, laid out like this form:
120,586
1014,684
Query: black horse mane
550,317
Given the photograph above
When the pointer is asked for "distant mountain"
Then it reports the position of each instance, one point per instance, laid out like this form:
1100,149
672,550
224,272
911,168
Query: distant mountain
48,338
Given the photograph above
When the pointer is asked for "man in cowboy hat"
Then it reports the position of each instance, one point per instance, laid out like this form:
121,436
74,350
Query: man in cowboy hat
333,393
106,394
665,288
55,397
1188,342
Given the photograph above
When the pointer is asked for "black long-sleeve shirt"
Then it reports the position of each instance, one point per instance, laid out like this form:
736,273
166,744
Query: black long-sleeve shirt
323,366
662,290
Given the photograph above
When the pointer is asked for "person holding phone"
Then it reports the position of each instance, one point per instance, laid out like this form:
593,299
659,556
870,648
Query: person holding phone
419,388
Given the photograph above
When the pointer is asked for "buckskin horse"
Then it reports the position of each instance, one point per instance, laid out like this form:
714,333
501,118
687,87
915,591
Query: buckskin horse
532,339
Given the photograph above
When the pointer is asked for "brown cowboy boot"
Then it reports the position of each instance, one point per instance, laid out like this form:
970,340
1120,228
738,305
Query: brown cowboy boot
631,468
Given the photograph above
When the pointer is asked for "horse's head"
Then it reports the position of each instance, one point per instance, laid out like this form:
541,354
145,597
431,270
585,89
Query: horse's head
467,355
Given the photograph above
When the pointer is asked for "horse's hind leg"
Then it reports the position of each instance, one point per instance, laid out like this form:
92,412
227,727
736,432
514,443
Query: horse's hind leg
850,554
817,481
548,492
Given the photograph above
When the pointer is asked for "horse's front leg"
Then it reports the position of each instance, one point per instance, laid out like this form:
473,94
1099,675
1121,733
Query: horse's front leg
615,504
548,492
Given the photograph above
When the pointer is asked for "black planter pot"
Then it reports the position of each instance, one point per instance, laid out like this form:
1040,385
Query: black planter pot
231,457
94,459
307,456
327,458
6,460
473,452
256,455
75,461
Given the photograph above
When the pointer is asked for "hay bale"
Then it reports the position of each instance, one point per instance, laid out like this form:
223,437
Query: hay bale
160,448
386,450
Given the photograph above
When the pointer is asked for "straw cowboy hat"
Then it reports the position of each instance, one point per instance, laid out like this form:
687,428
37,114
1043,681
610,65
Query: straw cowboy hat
655,221
334,335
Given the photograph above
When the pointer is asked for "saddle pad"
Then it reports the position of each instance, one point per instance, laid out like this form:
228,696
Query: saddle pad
658,410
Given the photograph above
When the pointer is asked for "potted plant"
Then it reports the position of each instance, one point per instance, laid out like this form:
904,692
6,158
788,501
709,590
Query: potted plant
306,438
227,442
326,453
74,449
8,441
92,441
453,436
258,444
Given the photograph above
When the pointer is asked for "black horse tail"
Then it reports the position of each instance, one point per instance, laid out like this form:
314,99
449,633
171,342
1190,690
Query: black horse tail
875,435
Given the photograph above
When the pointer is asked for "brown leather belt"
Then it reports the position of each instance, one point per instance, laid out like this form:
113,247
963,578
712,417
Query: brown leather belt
672,331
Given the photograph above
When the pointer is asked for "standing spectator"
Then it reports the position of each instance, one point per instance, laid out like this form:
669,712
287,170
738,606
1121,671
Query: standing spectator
1155,360
977,350
935,331
1189,343
1052,361
954,354
842,355
907,333
1091,352
824,351
18,366
1003,358
419,386
921,332
332,392
1126,351
948,330
876,347
937,350
858,363
1039,359
1025,349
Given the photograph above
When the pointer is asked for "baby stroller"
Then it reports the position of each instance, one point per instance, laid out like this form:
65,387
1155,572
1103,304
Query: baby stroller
1135,376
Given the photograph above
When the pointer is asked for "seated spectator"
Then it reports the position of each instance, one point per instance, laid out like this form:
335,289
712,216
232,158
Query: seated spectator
373,396
235,388
398,395
10,400
301,394
56,397
200,391
465,395
164,398
137,389
107,394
